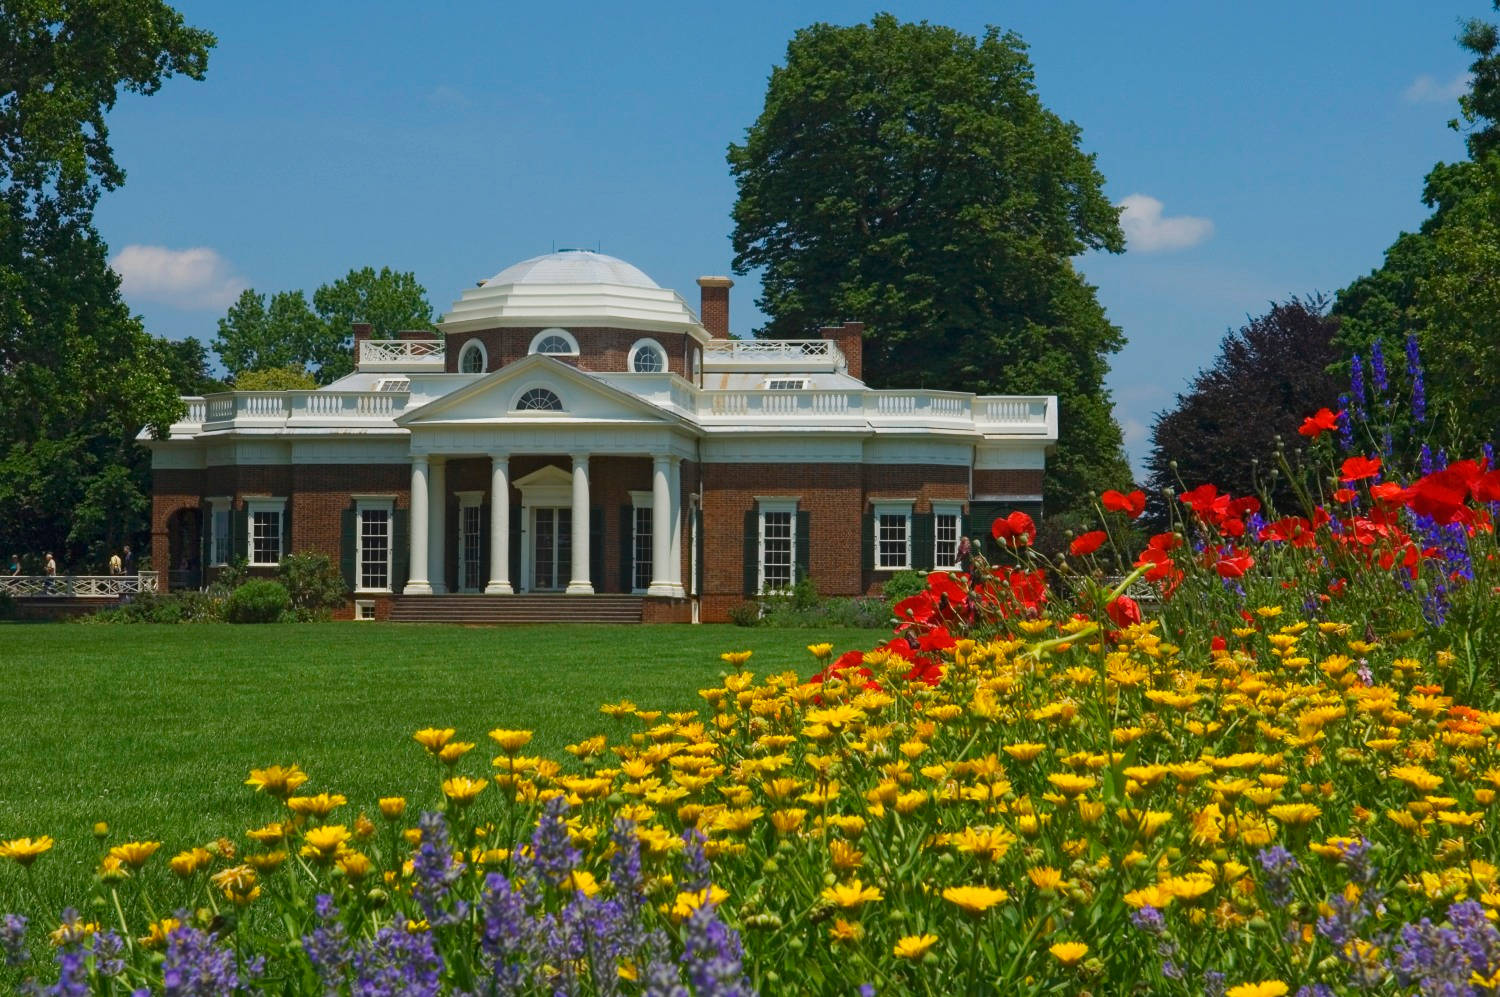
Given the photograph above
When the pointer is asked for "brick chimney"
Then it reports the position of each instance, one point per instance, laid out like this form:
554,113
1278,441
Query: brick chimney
850,339
362,332
715,305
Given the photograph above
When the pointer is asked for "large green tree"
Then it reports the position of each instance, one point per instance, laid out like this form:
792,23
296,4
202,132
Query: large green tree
909,175
79,376
291,333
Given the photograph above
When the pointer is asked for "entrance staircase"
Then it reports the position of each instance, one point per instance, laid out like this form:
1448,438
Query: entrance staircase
537,607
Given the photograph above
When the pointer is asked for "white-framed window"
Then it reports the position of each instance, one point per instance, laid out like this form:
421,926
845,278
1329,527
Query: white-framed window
647,357
372,569
219,545
364,610
947,527
640,548
473,358
785,383
266,518
555,342
538,400
892,536
778,543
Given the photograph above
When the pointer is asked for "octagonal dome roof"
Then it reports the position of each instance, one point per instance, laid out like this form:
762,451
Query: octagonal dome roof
572,266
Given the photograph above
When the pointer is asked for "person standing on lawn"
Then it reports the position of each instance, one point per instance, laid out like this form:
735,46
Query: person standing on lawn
114,565
129,560
49,568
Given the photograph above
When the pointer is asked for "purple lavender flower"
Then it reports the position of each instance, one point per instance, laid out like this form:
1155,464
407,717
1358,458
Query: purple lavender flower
696,871
1213,983
506,934
107,947
1278,864
1414,371
13,940
327,945
712,956
1148,919
196,965
434,871
1316,990
553,854
398,963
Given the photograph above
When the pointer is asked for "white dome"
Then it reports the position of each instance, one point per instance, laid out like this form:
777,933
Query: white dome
572,266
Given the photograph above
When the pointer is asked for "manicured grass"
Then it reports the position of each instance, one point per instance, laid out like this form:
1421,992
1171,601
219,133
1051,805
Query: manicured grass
154,728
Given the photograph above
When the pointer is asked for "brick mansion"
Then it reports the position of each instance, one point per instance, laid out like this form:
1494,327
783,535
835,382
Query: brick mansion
576,440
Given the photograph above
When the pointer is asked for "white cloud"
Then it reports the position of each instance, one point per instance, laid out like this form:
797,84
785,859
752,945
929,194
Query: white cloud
1426,90
1147,231
184,278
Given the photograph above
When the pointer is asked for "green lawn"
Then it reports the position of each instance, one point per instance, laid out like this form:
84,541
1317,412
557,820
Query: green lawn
154,728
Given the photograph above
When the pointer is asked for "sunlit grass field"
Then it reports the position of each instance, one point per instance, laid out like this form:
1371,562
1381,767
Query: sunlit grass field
153,729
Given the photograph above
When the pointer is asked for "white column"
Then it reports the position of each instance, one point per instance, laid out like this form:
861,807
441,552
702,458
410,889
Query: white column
661,526
417,583
578,583
499,527
674,550
437,517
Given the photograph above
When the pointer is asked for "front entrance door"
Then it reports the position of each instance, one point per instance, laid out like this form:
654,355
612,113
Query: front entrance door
469,551
552,552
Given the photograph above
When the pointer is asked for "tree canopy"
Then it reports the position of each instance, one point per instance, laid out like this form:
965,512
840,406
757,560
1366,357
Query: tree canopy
288,332
1268,376
909,175
79,376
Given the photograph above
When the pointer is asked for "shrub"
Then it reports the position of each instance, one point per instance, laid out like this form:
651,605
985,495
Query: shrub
312,582
257,601
745,614
174,607
903,585
7,606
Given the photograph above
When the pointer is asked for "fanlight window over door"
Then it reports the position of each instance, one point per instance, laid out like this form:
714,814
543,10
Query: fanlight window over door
539,400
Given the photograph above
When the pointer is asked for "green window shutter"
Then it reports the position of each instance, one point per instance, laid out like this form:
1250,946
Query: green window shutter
400,549
515,547
867,542
348,545
240,532
697,579
484,546
982,516
804,533
596,549
627,548
923,542
205,543
286,529
752,553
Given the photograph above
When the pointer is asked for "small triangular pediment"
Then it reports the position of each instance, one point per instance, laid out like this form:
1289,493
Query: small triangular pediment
548,476
495,398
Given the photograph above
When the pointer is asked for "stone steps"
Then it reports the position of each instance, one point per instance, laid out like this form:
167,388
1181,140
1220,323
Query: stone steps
524,608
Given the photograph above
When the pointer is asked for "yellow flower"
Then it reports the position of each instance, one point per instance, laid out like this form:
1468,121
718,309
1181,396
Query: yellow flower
820,651
1045,878
135,853
735,659
392,807
1070,783
846,931
186,863
974,899
355,865
584,882
1296,814
74,931
852,894
323,843
156,938
511,741
434,738
915,946
1266,988
319,806
685,903
454,750
462,790
24,851
272,834
276,780
1068,953
1024,752
238,883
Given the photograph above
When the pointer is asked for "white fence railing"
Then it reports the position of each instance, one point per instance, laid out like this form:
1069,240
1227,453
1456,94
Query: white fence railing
771,354
76,586
401,354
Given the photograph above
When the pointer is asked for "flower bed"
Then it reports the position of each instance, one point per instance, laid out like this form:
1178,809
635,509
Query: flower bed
1278,778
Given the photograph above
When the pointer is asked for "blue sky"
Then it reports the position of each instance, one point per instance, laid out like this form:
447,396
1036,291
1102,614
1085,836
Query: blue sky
1264,149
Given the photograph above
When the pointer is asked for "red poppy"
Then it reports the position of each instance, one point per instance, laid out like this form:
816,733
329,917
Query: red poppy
1014,527
1487,487
1201,499
1087,543
1234,566
1388,492
1345,495
1320,422
1440,495
1164,541
1218,644
1131,505
1360,468
1124,611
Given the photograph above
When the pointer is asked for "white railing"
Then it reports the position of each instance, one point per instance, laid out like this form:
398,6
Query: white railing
197,409
772,354
270,408
401,354
76,586
347,404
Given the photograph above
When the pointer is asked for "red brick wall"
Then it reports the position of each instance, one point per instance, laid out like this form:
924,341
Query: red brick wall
171,490
598,349
1001,483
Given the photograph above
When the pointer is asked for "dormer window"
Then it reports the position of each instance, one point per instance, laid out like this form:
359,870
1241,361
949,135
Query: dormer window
472,359
555,343
393,384
786,384
647,357
538,400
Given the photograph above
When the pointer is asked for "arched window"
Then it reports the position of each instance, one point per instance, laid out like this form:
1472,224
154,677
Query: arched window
555,342
472,359
647,357
538,400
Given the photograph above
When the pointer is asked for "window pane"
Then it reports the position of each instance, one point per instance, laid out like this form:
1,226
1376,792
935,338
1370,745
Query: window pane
374,549
219,554
648,360
472,516
945,526
554,344
776,550
891,541
472,362
641,550
265,537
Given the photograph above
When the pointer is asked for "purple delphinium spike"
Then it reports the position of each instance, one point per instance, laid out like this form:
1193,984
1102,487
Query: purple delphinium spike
327,945
1377,370
552,851
13,940
196,965
398,963
712,955
1414,371
506,935
1424,458
696,871
1278,864
434,870
1357,388
1346,425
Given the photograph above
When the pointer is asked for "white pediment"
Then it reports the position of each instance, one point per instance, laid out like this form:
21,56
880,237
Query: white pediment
495,397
